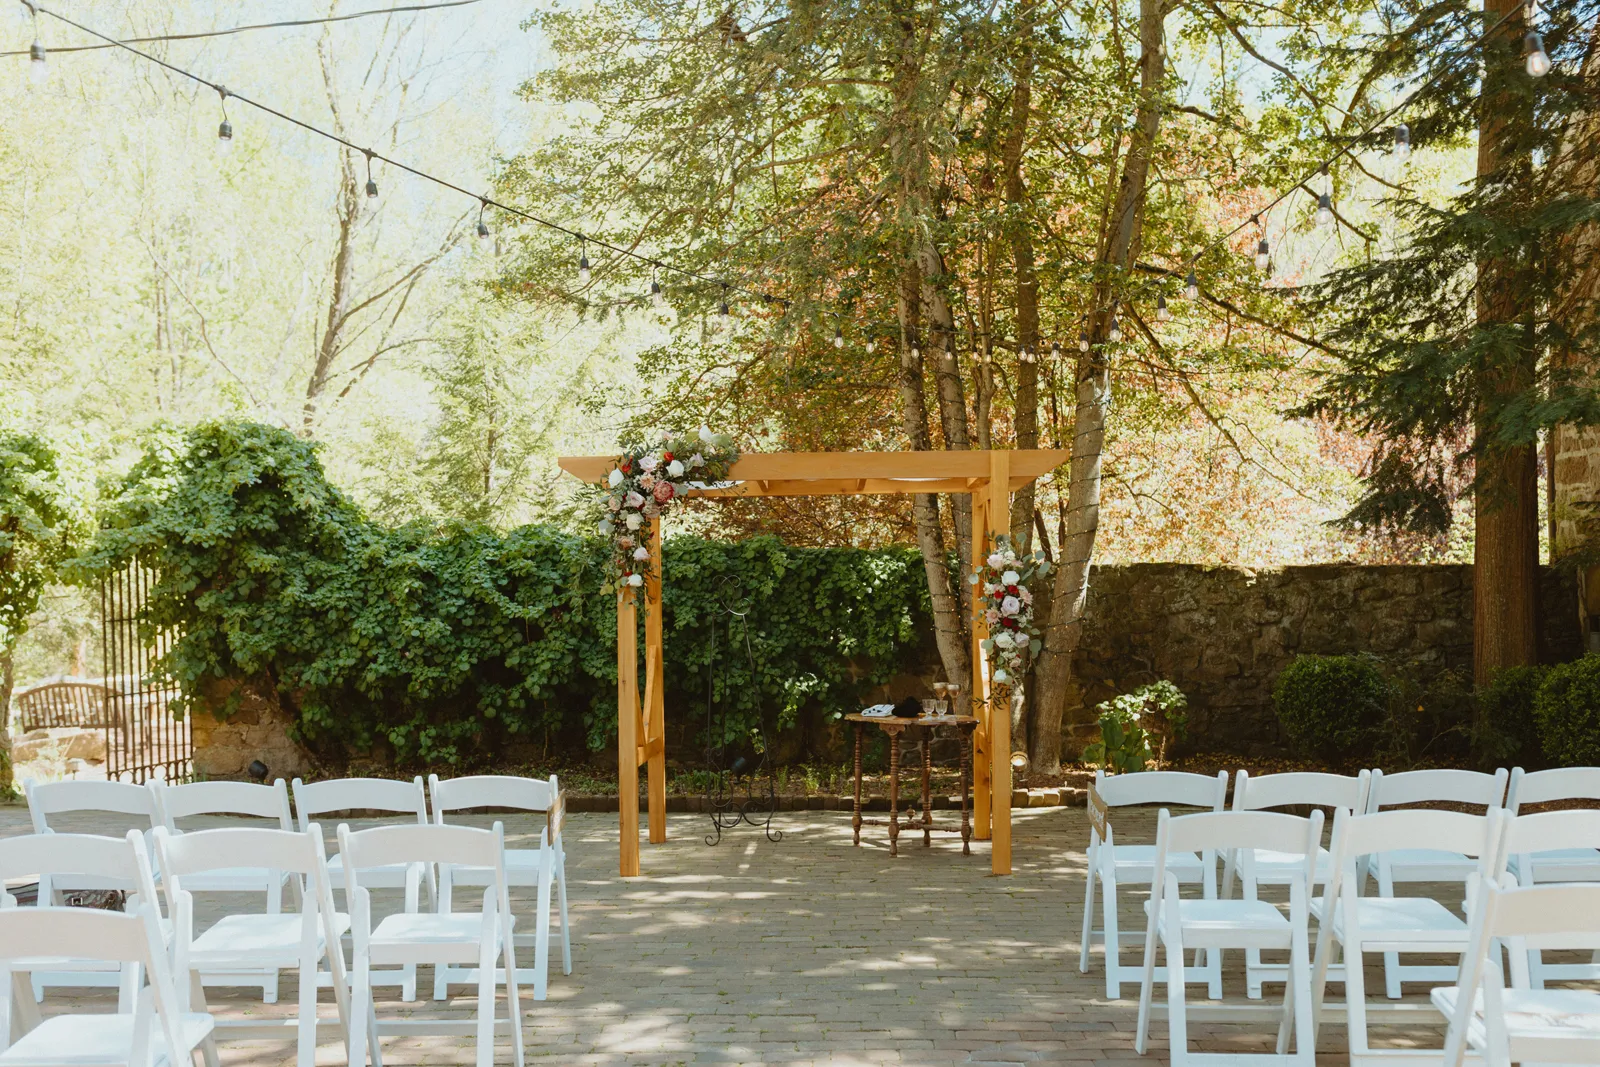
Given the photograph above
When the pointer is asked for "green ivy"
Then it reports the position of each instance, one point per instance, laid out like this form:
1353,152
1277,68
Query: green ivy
437,644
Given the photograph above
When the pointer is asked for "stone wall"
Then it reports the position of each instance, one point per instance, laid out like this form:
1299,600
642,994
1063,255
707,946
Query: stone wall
258,730
1222,634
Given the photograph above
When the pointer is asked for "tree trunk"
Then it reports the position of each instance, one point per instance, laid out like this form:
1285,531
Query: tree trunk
1505,581
1119,246
947,378
8,679
948,631
348,210
1026,416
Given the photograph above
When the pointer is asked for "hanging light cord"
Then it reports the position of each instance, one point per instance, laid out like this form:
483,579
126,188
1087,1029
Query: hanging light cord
373,154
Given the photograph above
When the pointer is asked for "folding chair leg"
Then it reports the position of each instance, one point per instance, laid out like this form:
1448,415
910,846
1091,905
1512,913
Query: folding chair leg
441,972
566,921
486,1011
1391,960
1305,1040
541,940
1088,920
1113,942
306,1052
208,1051
513,1000
1146,995
362,1029
1177,1019
1355,998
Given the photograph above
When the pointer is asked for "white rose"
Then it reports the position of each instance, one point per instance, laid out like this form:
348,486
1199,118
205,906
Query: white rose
1002,640
675,469
649,463
634,521
999,675
606,527
635,580
634,500
989,588
1010,578
615,478
707,436
641,553
696,461
996,561
1010,606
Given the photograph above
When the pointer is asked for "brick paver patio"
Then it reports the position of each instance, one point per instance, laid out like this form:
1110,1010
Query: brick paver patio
805,951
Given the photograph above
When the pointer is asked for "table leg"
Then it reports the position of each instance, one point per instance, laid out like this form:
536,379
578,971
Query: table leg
894,792
927,786
966,776
856,819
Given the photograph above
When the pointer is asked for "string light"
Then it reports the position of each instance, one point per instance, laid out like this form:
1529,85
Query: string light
838,336
1055,351
1534,58
483,227
1325,201
1402,140
372,186
1114,331
1162,314
1083,340
38,66
224,128
722,308
1191,286
657,297
1263,253
872,346
583,263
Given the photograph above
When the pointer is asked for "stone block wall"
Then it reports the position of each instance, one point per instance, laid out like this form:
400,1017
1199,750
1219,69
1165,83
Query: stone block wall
258,730
1223,634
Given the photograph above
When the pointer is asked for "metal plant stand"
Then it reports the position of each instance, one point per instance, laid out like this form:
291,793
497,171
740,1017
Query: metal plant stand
742,788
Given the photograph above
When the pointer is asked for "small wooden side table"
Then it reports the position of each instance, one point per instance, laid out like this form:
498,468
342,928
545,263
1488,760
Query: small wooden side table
924,725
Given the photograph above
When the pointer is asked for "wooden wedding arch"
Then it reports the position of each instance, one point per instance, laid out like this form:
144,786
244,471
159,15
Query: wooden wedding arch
989,477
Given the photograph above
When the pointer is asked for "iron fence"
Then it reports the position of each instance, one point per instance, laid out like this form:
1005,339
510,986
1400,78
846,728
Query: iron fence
143,738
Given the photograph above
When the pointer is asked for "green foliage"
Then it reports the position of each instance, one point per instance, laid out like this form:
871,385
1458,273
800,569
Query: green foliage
1332,707
1504,731
440,644
1131,722
1566,711
35,529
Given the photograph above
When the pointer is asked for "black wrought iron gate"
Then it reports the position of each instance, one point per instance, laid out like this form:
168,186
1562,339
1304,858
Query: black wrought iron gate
143,739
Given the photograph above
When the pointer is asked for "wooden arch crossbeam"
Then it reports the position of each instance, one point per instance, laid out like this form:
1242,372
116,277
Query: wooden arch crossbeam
989,477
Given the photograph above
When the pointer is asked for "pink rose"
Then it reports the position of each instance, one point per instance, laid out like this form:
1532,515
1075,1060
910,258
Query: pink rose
663,492
634,500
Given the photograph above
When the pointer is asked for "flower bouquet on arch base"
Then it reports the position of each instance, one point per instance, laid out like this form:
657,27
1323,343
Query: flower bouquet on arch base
646,482
1003,581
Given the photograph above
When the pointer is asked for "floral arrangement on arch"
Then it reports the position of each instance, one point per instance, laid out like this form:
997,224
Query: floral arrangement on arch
646,482
1004,578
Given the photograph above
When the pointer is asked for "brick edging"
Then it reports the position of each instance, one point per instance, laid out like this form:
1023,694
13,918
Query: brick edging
1021,798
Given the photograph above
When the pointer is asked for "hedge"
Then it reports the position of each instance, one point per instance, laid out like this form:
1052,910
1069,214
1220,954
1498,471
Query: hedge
440,643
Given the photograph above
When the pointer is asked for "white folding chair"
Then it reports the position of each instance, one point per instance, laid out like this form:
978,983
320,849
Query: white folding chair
1358,925
1574,864
174,802
1422,863
1522,1024
1112,864
75,797
374,794
117,863
1257,866
438,938
534,868
1543,847
1214,924
239,946
154,1034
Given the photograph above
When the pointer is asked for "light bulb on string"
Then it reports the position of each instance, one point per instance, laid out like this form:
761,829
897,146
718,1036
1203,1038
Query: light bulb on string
1083,340
224,128
1114,330
1535,60
38,66
1263,255
1402,140
838,337
1325,201
1162,314
1055,351
1191,287
872,346
583,263
657,297
372,186
483,227
722,308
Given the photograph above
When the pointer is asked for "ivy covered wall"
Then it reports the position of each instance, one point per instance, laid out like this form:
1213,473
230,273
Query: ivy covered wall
443,645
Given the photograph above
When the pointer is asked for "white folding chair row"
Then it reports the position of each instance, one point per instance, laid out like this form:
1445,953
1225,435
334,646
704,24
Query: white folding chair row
1523,1024
531,868
1256,867
441,938
156,1033
1111,865
1215,924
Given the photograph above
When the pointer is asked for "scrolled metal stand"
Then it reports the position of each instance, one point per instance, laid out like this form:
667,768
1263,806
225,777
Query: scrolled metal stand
726,803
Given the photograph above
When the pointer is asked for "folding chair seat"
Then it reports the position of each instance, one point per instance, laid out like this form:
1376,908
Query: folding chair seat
1421,863
438,938
242,944
1259,866
270,802
406,799
1358,925
45,800
1523,1024
531,868
1112,864
1544,846
1214,924
154,1033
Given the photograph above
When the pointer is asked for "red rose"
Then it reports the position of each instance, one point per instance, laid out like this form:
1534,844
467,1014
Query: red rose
662,492
666,457
1010,624
625,467
1011,589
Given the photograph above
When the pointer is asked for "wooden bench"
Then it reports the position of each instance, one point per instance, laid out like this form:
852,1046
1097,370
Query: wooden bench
87,704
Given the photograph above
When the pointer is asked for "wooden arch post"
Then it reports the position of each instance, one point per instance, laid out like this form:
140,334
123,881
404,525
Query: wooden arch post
989,478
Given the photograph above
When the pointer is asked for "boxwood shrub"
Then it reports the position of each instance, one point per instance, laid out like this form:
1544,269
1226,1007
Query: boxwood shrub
1332,707
1566,712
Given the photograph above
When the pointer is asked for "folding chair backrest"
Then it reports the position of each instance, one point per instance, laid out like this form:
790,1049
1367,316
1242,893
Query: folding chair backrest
120,861
1561,783
1546,831
490,791
360,794
1547,916
239,846
1315,788
57,798
387,846
176,802
1216,831
1450,786
1163,787
1425,828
